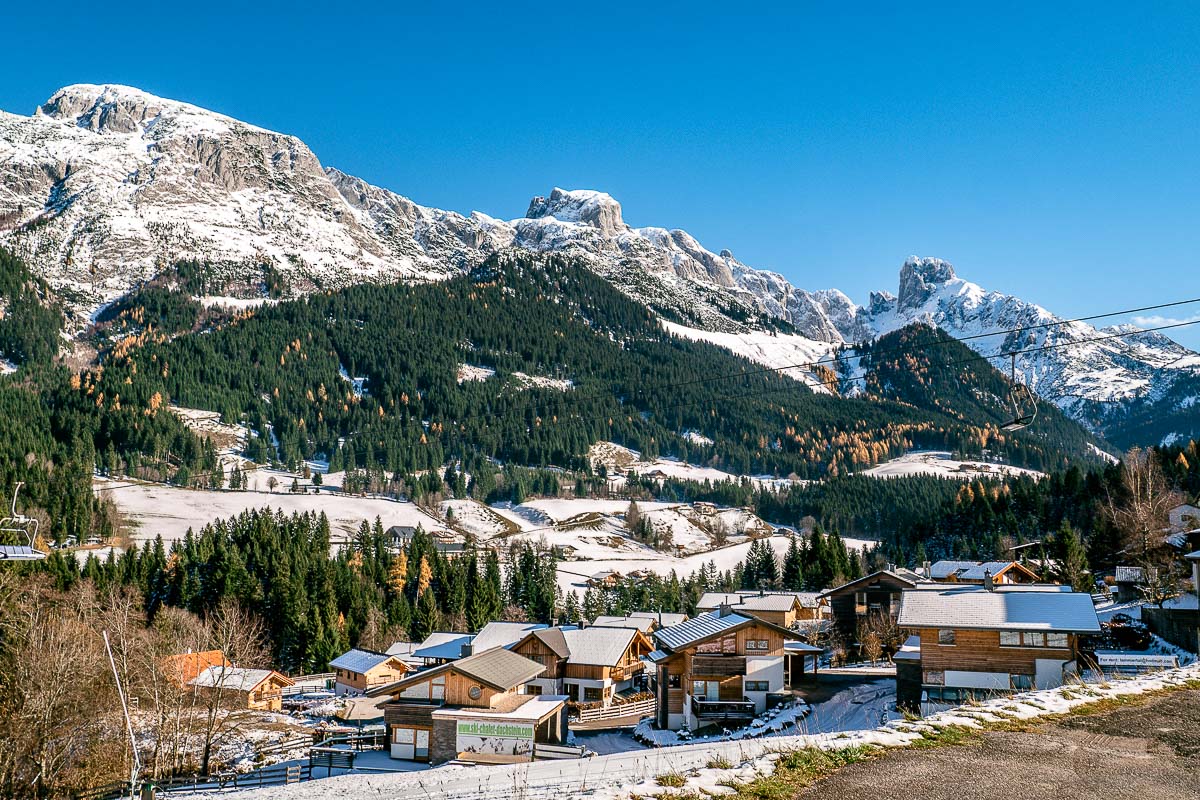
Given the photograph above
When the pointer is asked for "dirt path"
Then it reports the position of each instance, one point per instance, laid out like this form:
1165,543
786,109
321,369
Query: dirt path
1149,751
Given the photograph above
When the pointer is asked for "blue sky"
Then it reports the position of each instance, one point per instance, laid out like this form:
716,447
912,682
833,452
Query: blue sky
1051,153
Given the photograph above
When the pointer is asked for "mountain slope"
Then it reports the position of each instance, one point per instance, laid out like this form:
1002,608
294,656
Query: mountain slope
105,186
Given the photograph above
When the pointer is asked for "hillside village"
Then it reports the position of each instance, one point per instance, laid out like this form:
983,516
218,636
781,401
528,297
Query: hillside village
309,491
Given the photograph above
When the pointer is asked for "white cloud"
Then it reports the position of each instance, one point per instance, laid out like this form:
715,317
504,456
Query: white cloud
1158,321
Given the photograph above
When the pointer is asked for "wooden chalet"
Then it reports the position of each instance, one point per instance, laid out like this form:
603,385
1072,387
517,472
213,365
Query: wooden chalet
779,608
588,665
972,641
256,689
472,709
719,668
358,670
978,572
878,593
184,668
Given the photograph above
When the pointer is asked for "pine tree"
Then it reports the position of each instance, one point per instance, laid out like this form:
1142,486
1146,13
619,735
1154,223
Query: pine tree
1072,559
426,618
793,567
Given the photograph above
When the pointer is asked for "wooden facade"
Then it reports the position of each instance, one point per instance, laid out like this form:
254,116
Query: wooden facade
853,602
981,651
381,674
721,661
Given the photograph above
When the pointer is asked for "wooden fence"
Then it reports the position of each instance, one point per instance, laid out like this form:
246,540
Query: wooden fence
643,708
267,776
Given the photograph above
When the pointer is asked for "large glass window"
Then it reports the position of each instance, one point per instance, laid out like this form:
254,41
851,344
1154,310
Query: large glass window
706,690
1056,640
1010,638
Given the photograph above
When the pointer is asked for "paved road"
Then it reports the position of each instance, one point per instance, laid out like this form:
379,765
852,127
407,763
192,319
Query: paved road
1144,752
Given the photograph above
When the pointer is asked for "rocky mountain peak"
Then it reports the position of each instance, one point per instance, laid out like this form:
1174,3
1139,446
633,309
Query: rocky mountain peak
597,209
919,277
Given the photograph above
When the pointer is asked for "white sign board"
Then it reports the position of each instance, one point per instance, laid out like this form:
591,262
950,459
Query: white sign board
1146,660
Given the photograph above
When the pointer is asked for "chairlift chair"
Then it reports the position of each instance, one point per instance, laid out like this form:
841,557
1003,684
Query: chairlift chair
19,524
1024,404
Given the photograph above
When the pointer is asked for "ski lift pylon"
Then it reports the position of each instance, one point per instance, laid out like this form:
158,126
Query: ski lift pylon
1024,404
19,524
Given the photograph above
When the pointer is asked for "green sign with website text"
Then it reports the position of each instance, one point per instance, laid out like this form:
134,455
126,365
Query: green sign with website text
507,730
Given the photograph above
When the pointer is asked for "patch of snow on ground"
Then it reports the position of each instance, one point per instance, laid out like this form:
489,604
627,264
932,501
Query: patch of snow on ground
621,775
542,382
941,464
773,350
7,367
236,303
470,372
695,437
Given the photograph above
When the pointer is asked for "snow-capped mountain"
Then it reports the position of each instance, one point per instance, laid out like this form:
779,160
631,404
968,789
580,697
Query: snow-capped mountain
104,186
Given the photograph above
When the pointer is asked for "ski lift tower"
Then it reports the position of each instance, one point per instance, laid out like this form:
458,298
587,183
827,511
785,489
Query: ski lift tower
25,527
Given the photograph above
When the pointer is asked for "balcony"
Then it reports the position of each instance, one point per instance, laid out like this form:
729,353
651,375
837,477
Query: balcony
720,710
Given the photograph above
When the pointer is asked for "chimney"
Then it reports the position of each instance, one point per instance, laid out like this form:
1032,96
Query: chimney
927,569
988,583
467,649
762,592
724,610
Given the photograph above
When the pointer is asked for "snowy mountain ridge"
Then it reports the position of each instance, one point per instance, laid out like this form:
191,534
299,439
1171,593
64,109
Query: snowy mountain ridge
105,186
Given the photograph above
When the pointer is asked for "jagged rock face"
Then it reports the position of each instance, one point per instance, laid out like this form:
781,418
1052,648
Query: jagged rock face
919,277
107,185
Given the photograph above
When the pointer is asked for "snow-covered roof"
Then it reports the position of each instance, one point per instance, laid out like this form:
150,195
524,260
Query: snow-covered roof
238,679
442,645
1193,556
499,668
360,661
978,608
598,646
502,634
801,647
643,624
905,576
968,570
754,600
910,650
528,708
698,628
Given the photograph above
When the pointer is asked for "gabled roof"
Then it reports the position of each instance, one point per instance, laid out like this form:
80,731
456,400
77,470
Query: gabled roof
599,646
501,669
712,600
553,638
903,576
236,679
973,607
974,570
361,661
502,634
643,624
698,628
663,618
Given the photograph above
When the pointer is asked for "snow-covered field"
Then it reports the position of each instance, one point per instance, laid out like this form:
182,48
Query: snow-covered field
631,774
169,511
941,464
773,350
572,575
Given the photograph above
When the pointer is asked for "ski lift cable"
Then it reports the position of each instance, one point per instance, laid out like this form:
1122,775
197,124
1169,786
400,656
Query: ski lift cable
887,351
863,377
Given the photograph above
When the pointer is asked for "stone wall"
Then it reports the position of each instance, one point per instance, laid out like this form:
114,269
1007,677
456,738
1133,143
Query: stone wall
443,743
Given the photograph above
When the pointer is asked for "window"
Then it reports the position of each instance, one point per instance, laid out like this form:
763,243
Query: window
403,735
1056,640
946,637
756,686
934,677
592,693
1033,639
1020,682
1010,638
860,602
438,688
673,682
759,645
706,690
